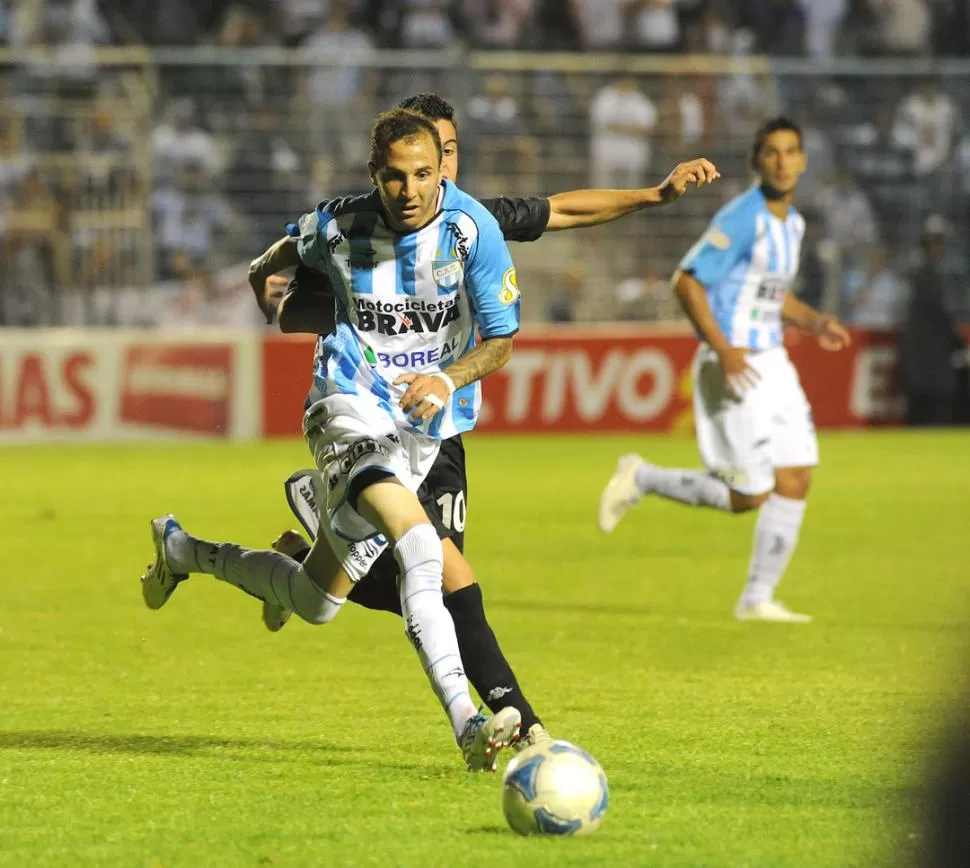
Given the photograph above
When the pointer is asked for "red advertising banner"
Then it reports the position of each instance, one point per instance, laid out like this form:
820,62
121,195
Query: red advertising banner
182,387
616,380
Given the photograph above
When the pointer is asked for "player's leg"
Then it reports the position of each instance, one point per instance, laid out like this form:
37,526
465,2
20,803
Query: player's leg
267,575
795,453
732,482
444,496
365,467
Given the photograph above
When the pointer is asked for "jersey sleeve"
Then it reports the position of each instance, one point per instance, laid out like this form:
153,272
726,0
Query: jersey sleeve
721,247
491,283
519,219
310,232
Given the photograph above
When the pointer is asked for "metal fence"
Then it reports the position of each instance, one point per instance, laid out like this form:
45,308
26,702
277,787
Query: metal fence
124,169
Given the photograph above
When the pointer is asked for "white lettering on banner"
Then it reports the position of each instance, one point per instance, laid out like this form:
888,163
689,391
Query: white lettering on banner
639,406
210,384
872,394
521,371
592,392
592,386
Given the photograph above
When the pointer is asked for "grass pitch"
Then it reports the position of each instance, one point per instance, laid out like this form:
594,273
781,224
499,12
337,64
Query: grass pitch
191,736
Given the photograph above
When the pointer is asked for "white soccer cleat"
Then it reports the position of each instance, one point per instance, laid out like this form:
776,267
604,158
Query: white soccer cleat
290,543
621,493
159,582
769,610
483,737
537,734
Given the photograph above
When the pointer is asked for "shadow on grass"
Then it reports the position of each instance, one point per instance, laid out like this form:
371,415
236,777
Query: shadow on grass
213,747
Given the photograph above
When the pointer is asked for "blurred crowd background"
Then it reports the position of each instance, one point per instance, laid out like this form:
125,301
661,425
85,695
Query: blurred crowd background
149,150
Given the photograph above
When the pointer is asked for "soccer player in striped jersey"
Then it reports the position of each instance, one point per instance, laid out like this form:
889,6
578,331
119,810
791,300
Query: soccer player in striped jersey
417,268
308,307
754,425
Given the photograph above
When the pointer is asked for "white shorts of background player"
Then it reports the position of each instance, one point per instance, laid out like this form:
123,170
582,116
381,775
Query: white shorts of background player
743,439
348,435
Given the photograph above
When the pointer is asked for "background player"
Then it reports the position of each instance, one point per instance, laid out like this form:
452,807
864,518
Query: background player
307,307
385,389
754,424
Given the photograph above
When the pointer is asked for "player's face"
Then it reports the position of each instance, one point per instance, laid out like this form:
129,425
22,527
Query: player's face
782,160
408,182
449,149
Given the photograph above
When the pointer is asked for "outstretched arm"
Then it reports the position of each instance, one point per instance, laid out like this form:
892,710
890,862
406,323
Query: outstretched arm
579,208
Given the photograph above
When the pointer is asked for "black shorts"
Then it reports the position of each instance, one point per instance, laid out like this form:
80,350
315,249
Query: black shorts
444,496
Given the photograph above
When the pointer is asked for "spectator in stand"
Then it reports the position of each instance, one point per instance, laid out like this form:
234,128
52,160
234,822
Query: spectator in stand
622,119
778,26
822,21
931,349
178,142
926,123
558,22
499,24
887,172
601,23
426,24
654,25
877,298
189,218
903,26
847,215
506,149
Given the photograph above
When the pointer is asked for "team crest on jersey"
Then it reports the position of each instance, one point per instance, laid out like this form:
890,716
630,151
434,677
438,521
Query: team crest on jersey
446,272
510,288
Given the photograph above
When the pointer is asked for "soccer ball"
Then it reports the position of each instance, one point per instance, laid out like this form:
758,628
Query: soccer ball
554,789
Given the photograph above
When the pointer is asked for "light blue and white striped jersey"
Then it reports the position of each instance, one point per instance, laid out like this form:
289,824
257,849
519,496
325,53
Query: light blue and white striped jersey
747,261
408,302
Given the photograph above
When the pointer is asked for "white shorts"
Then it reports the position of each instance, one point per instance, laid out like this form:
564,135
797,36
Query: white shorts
744,440
348,435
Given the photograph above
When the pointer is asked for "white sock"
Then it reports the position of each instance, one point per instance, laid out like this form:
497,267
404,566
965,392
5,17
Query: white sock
775,537
264,574
693,487
428,624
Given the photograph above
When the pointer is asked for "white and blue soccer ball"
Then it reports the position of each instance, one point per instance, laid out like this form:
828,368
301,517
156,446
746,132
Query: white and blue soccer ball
554,789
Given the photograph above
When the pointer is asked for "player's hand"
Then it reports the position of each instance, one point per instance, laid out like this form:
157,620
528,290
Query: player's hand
274,288
425,396
739,375
697,172
832,335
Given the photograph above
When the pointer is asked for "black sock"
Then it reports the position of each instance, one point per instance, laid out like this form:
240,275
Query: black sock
485,664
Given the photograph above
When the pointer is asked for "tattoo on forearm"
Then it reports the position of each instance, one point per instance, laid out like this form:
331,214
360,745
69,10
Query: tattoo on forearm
481,361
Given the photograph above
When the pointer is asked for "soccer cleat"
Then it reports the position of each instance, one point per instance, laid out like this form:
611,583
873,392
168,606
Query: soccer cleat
768,610
621,493
159,582
483,737
537,734
291,543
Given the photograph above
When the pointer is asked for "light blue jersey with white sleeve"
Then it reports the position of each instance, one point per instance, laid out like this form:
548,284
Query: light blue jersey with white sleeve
747,261
408,302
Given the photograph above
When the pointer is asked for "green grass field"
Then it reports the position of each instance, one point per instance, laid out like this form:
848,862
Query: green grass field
191,736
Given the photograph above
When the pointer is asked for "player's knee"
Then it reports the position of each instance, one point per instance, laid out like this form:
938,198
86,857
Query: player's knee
747,502
458,574
794,482
324,611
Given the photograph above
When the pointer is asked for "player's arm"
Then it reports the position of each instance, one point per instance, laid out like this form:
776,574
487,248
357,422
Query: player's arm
579,208
831,334
279,257
307,307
